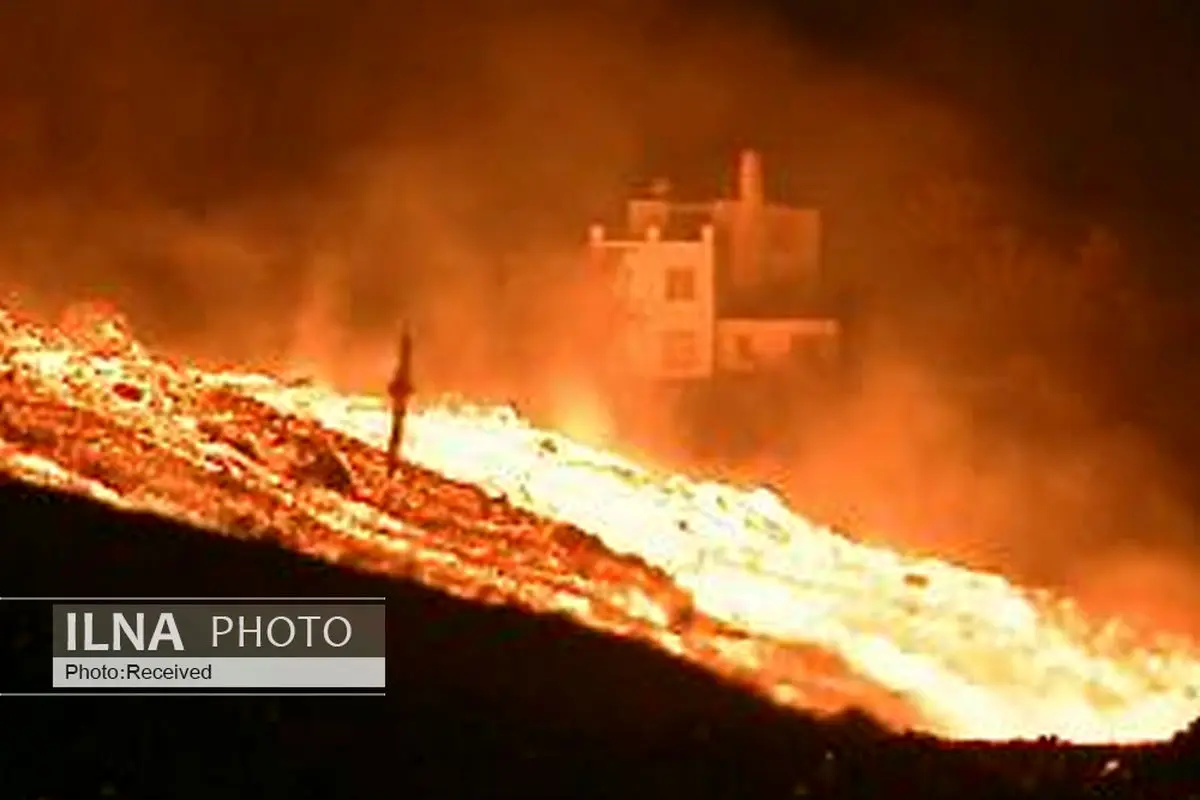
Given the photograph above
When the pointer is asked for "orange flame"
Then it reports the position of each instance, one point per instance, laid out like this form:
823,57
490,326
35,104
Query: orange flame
981,658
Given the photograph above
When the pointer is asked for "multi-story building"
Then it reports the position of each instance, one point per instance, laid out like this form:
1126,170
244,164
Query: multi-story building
723,287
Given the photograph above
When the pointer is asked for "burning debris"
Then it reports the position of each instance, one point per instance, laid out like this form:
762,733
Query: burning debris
99,328
315,462
728,579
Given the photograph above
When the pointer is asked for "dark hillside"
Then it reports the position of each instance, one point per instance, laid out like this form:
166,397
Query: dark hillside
481,701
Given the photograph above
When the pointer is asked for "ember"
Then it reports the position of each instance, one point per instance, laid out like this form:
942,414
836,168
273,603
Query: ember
729,579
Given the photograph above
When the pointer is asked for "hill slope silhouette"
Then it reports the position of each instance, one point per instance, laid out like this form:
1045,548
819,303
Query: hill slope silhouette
481,701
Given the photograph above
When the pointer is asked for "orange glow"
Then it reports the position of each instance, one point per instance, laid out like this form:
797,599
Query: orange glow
975,655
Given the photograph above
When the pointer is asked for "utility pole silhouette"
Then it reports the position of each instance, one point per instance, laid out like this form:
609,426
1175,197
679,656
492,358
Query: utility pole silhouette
400,391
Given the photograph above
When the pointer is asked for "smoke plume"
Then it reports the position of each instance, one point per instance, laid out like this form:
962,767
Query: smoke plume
282,184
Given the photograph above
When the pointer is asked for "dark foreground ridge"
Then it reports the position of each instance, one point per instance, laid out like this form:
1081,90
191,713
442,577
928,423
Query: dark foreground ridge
481,702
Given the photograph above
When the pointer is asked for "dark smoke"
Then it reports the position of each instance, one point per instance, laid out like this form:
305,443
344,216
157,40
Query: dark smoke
281,183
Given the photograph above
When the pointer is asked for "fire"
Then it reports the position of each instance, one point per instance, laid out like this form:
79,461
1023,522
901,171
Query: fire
976,656
982,658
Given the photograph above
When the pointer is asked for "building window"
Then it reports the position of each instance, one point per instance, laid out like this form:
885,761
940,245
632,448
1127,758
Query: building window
681,283
804,351
744,347
679,350
813,351
800,345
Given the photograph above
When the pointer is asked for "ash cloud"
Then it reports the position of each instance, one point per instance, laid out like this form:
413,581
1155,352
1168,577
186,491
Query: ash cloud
280,184
1062,498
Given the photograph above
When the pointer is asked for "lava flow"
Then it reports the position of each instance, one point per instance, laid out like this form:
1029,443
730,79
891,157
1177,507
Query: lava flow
502,512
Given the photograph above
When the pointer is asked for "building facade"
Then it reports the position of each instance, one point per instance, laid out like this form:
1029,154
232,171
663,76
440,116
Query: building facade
732,286
666,301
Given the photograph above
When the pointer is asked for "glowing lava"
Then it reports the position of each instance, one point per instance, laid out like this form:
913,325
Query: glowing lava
982,658
978,656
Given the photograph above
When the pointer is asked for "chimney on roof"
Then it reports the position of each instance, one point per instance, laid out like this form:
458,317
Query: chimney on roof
746,225
750,180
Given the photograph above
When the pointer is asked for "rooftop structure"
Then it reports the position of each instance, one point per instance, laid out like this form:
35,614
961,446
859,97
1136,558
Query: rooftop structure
728,285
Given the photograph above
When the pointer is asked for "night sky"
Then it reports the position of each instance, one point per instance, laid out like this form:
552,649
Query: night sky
1094,102
532,121
1096,98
